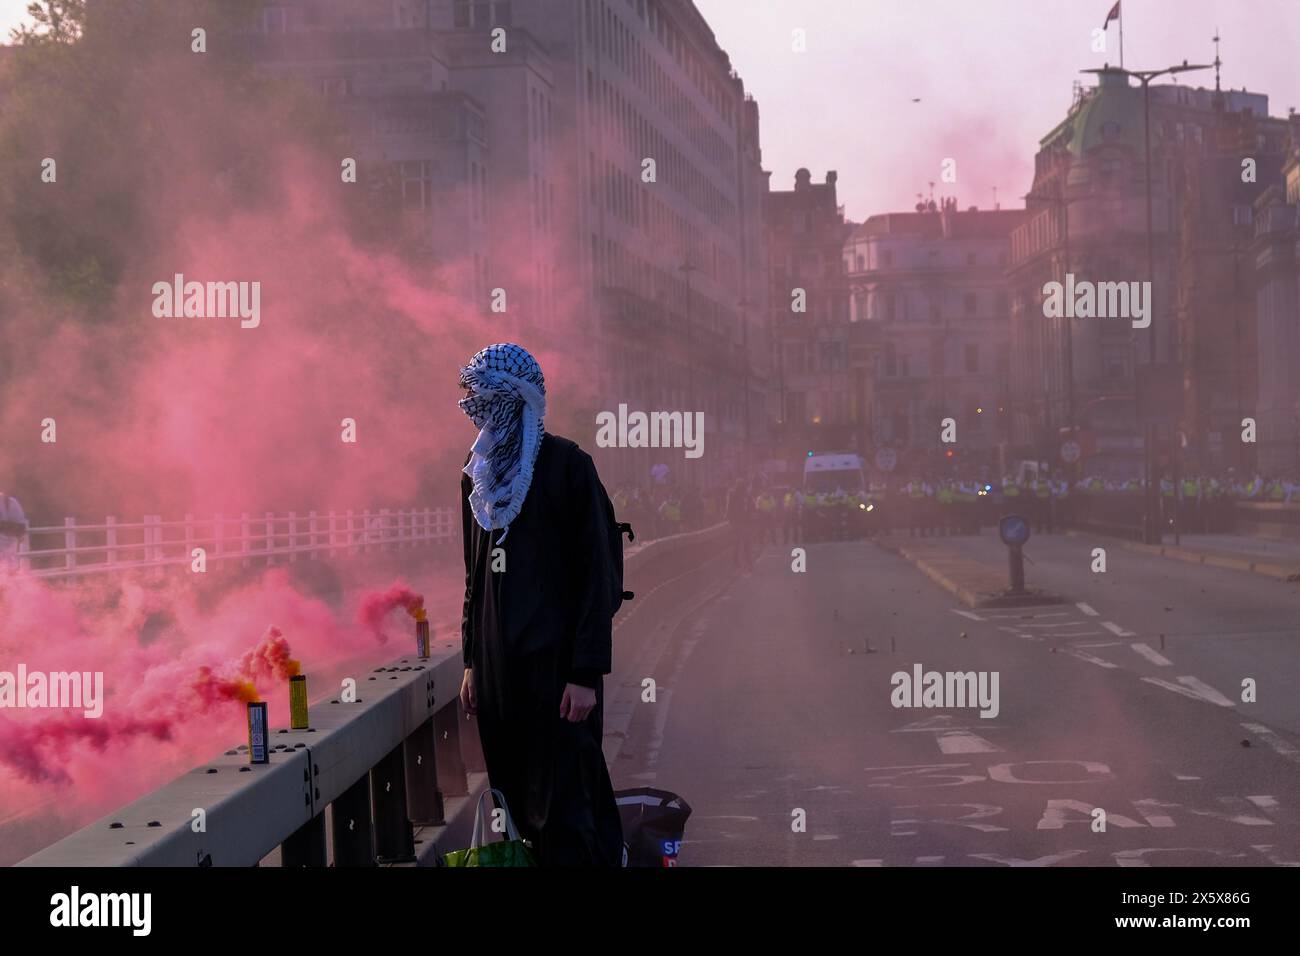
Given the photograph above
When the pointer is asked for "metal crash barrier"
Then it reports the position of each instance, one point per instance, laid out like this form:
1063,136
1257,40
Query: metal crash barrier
386,779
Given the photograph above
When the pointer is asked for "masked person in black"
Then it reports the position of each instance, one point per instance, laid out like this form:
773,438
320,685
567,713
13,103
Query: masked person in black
536,625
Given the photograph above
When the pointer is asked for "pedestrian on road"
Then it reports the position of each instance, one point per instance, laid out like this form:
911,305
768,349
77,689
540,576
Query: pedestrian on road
740,516
13,529
536,624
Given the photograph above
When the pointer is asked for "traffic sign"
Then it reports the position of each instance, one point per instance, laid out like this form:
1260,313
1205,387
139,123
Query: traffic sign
1070,451
886,459
1014,530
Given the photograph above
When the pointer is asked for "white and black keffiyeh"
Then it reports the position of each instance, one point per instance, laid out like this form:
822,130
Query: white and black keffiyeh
507,401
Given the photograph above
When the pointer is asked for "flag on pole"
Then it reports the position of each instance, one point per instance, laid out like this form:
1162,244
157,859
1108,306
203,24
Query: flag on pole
1113,15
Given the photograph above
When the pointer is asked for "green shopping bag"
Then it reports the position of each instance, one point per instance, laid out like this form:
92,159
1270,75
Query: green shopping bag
512,851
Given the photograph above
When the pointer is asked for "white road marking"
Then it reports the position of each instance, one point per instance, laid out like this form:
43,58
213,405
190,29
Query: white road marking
1086,609
1027,617
1040,861
973,617
1185,776
1057,624
928,860
1191,687
1102,643
1206,691
964,742
952,738
1279,745
825,836
868,862
1085,656
1154,656
1117,630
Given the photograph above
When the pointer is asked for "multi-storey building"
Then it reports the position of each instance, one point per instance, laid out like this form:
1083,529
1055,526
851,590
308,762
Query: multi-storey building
931,282
816,401
1087,217
1276,265
421,142
599,161
658,210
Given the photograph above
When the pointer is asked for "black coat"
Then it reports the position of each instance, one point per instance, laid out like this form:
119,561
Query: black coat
527,631
556,589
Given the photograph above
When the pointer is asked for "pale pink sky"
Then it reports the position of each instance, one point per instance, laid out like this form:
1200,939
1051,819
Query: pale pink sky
994,76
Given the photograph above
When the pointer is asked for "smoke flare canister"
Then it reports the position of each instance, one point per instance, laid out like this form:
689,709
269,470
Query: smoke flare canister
298,702
258,751
422,638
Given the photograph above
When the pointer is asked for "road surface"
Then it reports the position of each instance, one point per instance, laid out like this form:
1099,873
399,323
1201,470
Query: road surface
773,713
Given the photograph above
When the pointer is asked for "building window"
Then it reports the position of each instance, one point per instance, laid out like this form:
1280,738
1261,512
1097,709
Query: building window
275,20
972,358
887,257
417,184
972,303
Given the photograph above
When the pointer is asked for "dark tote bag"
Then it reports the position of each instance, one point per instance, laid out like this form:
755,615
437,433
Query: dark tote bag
654,822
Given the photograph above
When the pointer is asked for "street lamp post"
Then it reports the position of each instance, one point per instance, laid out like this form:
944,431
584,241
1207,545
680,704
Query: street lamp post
1151,530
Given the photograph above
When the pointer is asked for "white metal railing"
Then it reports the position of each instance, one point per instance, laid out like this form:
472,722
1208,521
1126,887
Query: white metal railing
73,549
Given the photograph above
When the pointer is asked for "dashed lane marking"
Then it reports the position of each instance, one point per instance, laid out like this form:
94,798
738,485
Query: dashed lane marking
1086,609
1117,630
1154,656
1206,691
1029,617
1085,656
1280,746
973,617
964,742
1193,688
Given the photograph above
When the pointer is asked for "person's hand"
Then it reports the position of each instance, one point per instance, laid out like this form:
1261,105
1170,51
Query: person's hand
467,698
577,703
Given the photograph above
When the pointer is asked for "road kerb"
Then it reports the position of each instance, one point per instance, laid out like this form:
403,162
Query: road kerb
1230,562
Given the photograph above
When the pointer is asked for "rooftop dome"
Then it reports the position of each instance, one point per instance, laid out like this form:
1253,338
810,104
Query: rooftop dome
1110,116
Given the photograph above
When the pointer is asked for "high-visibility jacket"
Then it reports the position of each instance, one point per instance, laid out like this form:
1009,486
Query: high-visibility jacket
1010,489
766,503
